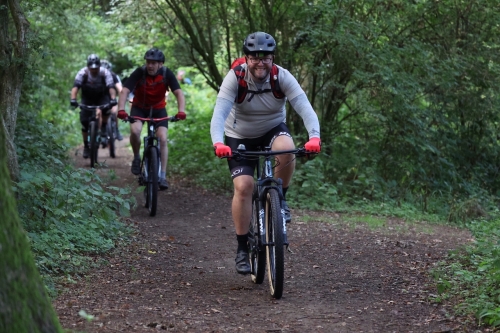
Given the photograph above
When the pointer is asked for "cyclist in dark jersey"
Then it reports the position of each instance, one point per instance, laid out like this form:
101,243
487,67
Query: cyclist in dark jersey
96,84
118,87
150,84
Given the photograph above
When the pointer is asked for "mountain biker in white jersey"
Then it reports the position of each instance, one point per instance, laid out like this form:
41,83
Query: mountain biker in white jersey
97,86
258,120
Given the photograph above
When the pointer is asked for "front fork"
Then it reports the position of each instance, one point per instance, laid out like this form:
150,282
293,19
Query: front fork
260,192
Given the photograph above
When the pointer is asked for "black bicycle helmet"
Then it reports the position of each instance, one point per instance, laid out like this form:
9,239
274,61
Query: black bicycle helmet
106,64
259,42
155,55
93,61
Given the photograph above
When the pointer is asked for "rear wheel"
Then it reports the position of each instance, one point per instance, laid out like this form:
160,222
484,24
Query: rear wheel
257,251
111,131
275,249
152,181
94,143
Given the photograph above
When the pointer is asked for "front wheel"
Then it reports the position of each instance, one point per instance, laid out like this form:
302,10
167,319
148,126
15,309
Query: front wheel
257,252
152,180
275,248
94,143
111,132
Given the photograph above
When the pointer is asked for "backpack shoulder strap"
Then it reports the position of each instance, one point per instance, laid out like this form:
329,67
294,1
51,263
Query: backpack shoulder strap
165,80
85,76
239,71
275,84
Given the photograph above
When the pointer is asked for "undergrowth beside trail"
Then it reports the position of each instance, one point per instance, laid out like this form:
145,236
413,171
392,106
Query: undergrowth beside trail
470,277
69,214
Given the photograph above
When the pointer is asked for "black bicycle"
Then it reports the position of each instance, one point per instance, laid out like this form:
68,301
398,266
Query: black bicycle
268,236
94,138
150,163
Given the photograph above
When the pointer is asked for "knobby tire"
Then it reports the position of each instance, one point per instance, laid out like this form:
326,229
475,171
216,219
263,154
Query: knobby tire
276,251
111,131
257,251
94,143
152,180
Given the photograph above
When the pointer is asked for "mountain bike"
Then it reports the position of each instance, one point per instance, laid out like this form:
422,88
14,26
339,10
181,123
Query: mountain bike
268,236
150,162
94,137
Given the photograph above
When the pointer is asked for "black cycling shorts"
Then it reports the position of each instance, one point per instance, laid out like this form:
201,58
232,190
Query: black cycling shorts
144,113
247,167
86,115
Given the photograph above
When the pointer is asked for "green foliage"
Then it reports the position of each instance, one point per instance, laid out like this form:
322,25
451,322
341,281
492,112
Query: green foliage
190,147
310,190
471,276
69,214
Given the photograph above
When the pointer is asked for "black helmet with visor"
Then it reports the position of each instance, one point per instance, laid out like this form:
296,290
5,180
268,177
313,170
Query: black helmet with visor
93,61
106,64
155,55
259,43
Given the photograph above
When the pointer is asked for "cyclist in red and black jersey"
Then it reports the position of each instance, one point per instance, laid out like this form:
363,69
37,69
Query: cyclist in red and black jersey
150,84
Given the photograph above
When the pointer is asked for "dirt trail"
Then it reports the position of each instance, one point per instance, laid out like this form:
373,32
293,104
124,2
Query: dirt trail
178,274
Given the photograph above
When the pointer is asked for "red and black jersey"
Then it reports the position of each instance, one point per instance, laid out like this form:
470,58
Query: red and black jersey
149,91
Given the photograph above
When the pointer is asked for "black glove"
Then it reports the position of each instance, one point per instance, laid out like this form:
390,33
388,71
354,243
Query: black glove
112,102
73,103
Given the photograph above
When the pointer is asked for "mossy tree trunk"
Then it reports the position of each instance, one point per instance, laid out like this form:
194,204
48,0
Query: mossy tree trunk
24,304
14,54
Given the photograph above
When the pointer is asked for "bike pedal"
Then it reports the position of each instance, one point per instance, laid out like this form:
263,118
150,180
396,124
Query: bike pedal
288,249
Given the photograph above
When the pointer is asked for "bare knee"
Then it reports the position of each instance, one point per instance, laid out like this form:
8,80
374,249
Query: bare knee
243,186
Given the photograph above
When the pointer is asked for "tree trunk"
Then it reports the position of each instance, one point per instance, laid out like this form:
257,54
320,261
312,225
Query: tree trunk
24,305
13,56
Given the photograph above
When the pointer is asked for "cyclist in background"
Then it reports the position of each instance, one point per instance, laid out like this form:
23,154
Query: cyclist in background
150,84
118,87
97,86
257,119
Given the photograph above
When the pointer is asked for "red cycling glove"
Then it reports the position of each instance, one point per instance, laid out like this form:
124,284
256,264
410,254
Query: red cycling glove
122,114
181,115
313,145
221,150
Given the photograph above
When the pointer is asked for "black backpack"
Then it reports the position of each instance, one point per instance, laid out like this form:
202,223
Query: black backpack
243,87
85,77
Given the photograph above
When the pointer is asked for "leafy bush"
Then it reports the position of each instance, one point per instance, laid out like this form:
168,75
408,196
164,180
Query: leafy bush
471,276
191,153
69,214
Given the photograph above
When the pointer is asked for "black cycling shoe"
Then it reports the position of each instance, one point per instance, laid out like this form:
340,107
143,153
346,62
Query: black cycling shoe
104,141
242,262
136,166
119,136
86,152
288,216
163,184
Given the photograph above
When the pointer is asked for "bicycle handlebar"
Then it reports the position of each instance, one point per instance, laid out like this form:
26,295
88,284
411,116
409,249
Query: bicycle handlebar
94,107
238,154
154,120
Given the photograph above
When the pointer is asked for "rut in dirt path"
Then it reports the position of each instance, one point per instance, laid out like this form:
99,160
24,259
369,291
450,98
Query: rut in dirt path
178,274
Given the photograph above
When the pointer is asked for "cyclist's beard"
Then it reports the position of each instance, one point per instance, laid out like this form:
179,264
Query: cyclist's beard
259,73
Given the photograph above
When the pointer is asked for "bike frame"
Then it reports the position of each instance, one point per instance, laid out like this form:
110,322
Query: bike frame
97,120
151,140
266,181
